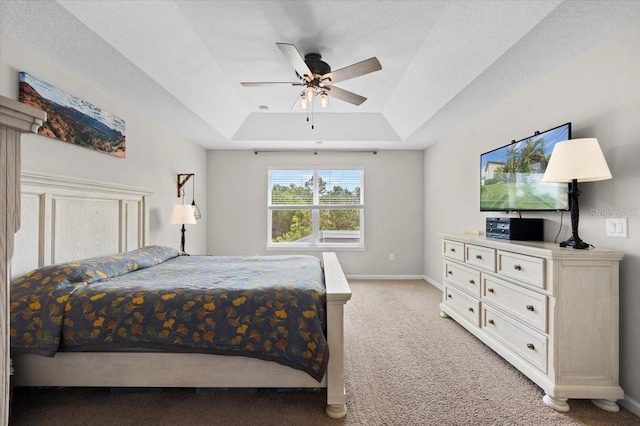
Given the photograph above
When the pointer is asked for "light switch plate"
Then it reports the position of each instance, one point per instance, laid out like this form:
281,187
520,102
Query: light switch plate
617,227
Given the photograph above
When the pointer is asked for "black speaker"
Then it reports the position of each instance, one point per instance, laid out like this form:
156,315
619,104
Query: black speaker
513,228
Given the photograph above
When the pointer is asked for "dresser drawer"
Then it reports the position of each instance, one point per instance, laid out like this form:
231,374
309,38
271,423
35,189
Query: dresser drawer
462,277
482,257
526,343
464,304
453,249
525,269
526,305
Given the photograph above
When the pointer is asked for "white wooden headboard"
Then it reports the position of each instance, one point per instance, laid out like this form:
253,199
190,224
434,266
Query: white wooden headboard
64,219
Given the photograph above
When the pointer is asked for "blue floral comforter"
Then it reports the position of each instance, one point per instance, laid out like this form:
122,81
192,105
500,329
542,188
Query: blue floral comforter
268,307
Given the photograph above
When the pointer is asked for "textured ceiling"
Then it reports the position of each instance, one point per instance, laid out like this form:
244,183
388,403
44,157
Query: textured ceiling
443,62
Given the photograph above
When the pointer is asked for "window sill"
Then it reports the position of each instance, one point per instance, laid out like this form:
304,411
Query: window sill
315,248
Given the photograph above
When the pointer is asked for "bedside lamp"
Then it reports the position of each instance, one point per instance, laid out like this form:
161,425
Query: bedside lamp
183,214
576,160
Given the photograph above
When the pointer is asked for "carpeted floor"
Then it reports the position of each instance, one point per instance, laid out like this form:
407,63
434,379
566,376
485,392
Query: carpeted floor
405,365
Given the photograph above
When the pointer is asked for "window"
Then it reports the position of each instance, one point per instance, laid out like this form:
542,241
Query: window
316,208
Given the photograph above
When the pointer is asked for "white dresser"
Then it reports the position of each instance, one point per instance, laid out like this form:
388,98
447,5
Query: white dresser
551,312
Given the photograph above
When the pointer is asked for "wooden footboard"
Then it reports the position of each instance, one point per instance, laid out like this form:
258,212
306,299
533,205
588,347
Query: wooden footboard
338,293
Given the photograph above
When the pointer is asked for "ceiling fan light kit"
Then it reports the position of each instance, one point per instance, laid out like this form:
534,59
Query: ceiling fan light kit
324,99
318,79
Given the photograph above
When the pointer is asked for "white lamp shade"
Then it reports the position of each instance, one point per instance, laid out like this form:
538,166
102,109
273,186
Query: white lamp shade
579,159
183,214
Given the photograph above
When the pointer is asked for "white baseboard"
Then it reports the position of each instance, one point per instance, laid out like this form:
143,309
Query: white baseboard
434,283
631,405
397,278
386,277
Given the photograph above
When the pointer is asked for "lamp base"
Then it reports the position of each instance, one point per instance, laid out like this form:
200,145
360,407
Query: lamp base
575,241
576,244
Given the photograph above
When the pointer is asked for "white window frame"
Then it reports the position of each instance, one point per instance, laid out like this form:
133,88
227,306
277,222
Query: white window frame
315,208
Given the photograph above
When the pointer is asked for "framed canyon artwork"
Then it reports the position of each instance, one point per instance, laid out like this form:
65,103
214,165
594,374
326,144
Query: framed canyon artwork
73,120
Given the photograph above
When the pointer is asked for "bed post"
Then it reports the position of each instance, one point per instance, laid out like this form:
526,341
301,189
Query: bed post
338,293
15,119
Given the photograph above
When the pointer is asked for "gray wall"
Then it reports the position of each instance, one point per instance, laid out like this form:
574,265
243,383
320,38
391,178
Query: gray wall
155,154
599,92
393,206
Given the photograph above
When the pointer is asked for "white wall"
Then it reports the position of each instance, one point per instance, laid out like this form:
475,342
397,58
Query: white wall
599,92
155,154
393,206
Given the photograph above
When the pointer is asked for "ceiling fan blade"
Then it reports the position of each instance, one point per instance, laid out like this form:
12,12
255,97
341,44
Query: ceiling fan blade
269,83
361,68
345,95
296,60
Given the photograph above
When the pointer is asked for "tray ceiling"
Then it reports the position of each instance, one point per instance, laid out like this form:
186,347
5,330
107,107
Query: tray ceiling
443,63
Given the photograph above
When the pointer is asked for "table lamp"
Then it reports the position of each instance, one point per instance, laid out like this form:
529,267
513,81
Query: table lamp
183,214
576,160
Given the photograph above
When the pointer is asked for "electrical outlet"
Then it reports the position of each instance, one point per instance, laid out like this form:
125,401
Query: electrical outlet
617,228
392,257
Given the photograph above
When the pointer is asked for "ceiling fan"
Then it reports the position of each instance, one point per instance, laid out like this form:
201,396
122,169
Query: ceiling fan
318,79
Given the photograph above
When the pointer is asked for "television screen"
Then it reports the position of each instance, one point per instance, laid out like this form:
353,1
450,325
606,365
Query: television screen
511,176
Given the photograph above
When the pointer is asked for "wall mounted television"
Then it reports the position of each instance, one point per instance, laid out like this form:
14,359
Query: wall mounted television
511,176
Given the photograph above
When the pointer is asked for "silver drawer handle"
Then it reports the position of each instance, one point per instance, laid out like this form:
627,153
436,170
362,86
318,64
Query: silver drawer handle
479,257
470,309
530,346
517,267
530,308
491,321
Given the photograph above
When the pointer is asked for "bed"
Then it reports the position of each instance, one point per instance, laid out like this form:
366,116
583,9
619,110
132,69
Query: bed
66,220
